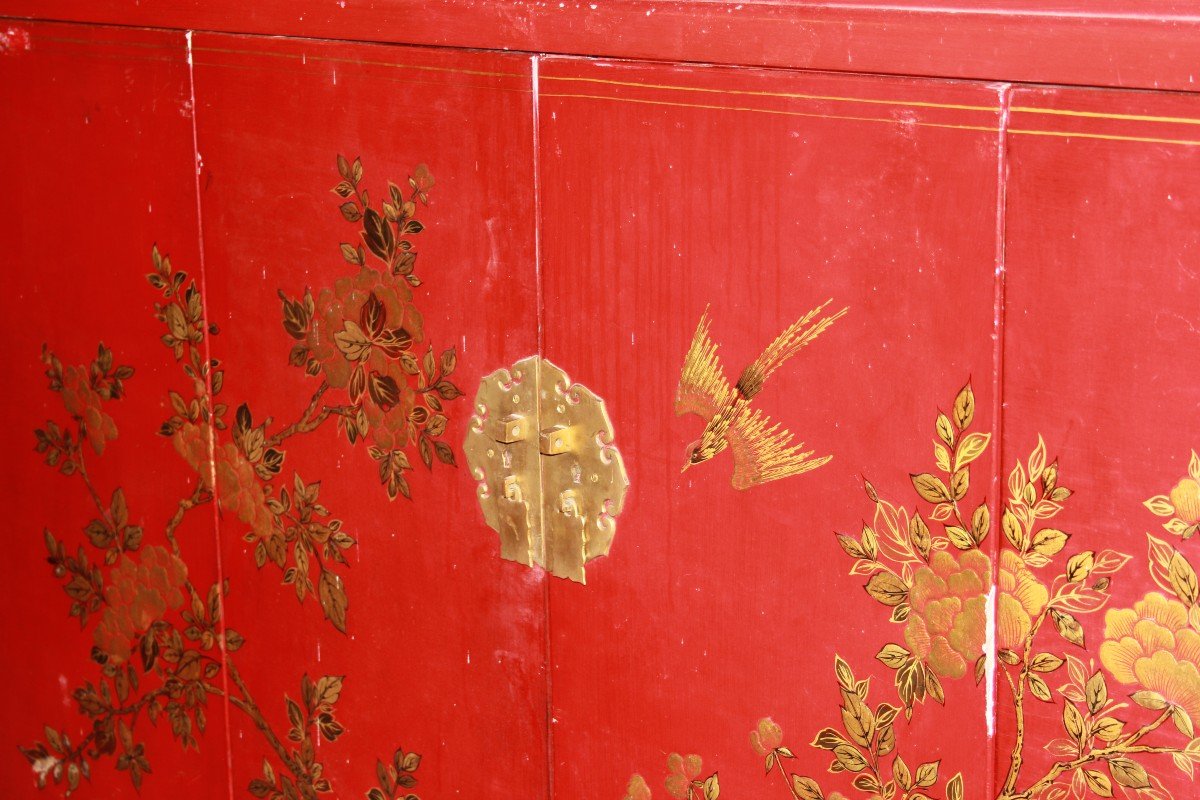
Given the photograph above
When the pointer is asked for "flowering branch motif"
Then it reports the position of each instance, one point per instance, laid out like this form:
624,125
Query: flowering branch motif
160,641
935,584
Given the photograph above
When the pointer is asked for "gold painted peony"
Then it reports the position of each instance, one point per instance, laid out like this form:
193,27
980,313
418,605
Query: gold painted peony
1022,597
84,402
1152,645
1185,498
138,593
946,626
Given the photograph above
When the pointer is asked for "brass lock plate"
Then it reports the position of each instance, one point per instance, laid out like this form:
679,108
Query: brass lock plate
551,482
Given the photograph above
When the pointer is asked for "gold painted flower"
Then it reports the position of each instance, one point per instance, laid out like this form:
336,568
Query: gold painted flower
84,403
637,789
1181,505
191,442
391,418
339,312
138,593
1185,499
1021,598
684,770
1153,645
947,624
239,490
766,737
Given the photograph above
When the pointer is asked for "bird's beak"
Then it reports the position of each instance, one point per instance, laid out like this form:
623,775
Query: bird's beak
686,464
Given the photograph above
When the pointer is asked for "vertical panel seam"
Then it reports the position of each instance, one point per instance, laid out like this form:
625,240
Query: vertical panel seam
539,302
197,162
999,310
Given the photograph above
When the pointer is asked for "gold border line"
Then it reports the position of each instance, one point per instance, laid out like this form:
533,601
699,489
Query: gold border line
777,111
1106,115
362,62
792,95
1106,136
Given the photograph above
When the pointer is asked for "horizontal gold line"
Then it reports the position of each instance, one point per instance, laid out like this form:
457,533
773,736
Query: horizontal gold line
1111,137
363,62
776,111
1105,115
790,95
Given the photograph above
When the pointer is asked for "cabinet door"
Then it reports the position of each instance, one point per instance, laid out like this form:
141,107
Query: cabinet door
96,152
1100,358
346,355
729,627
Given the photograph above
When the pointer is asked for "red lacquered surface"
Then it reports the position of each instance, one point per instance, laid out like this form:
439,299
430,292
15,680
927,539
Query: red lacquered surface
98,149
1099,340
443,646
1035,244
760,193
1111,43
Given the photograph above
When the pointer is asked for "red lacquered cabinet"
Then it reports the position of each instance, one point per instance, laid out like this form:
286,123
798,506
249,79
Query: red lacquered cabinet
613,400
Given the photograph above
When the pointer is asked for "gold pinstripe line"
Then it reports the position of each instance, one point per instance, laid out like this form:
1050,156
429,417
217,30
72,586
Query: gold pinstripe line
792,95
781,112
1106,115
1110,137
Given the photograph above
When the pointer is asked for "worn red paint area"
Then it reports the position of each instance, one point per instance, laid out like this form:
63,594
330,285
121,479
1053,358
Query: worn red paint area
91,109
759,195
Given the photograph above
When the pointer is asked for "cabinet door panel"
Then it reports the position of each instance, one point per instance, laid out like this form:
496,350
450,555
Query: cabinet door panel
758,195
442,649
96,150
1100,344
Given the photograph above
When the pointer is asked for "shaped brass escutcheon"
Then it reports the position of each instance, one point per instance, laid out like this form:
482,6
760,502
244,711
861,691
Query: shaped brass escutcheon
551,483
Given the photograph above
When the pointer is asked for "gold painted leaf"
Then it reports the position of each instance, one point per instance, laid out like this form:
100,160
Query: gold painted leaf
1096,692
1013,530
902,774
941,457
1079,566
954,788
1039,689
1108,729
960,537
1160,505
945,430
960,483
1045,662
930,488
887,589
927,774
850,759
970,448
1073,721
1183,579
1098,782
964,407
1129,773
806,788
1068,627
1049,541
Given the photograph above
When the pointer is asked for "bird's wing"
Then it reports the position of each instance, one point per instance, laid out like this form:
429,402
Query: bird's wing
764,452
786,345
703,388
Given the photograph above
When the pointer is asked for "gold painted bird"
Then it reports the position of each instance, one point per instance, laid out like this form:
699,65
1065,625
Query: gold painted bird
762,451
